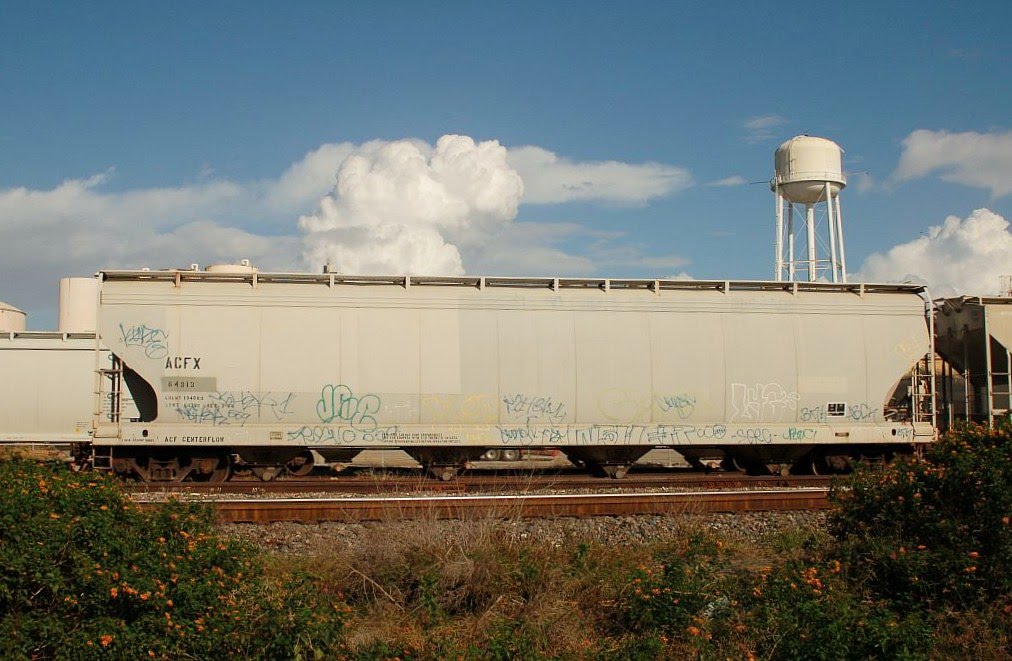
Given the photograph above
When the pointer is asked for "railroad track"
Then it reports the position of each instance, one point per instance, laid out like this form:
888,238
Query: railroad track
502,482
387,508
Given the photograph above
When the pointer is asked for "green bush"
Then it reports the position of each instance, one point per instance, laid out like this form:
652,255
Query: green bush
697,600
682,583
86,573
933,531
807,610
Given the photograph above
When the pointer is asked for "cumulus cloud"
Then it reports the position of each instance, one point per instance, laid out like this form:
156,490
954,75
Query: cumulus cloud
979,160
549,178
762,128
406,206
75,229
383,206
310,178
960,256
397,208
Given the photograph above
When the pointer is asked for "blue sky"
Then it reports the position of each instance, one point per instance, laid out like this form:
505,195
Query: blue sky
137,132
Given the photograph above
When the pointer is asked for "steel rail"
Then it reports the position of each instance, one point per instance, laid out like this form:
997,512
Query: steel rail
314,510
498,483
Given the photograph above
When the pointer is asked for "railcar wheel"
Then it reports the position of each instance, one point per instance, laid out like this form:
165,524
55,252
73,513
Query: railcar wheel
444,473
731,465
222,471
492,455
267,473
776,468
747,466
163,468
616,471
510,454
301,465
832,464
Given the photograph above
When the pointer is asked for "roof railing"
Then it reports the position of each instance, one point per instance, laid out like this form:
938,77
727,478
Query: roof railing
179,276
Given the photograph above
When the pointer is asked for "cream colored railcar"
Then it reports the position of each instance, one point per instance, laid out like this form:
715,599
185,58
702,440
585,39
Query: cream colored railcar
265,366
47,387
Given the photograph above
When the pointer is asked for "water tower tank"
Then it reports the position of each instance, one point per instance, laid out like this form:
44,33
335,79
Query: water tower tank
12,320
803,166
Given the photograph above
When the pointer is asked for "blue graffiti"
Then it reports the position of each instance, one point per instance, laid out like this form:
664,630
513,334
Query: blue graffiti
340,403
154,341
682,404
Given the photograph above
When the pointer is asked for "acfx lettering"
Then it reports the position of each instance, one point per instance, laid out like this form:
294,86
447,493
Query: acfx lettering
182,363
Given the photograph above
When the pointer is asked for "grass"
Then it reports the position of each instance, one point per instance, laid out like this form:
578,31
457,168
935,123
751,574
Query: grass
915,562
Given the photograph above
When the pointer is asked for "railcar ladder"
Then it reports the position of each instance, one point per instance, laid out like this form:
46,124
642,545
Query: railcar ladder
922,391
999,384
109,416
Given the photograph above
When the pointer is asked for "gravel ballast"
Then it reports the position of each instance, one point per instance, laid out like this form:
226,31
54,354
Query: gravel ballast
324,538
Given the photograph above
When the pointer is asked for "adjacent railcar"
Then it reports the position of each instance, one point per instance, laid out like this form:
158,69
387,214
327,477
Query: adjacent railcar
48,387
265,367
974,336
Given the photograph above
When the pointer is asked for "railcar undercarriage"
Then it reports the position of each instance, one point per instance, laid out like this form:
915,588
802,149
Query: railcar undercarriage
171,464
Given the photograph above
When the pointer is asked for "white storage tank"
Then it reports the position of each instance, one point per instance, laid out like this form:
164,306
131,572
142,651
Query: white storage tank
12,320
243,267
803,166
78,305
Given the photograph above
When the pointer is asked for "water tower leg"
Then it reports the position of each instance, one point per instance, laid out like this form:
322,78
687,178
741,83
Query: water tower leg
790,241
839,237
778,273
832,231
810,228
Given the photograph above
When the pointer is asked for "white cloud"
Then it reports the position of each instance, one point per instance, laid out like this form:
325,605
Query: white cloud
532,249
401,207
310,178
957,257
979,160
397,208
405,206
734,180
545,249
549,178
761,128
75,229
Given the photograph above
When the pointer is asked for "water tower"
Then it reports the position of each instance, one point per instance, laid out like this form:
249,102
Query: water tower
809,177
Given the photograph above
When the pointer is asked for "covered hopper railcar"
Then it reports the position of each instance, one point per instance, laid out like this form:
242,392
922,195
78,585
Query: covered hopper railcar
265,367
47,387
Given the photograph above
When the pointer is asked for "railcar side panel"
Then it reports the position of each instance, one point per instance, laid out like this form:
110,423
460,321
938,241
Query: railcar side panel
275,362
47,389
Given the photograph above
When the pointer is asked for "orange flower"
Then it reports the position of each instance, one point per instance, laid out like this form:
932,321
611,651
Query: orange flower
693,631
106,640
113,592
